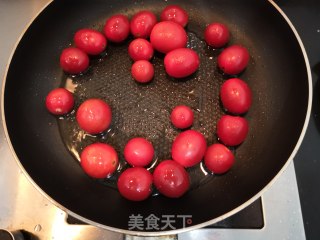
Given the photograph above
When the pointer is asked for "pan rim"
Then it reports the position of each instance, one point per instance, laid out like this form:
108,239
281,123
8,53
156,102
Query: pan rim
170,232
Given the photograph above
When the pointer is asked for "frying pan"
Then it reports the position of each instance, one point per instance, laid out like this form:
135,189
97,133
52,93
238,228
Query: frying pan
47,147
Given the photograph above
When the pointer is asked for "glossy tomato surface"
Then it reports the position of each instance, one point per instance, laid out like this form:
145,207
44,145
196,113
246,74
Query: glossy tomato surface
73,60
142,71
182,117
232,130
216,35
142,23
138,152
140,49
218,158
176,14
94,116
99,160
59,101
117,28
135,184
171,179
167,36
90,41
188,148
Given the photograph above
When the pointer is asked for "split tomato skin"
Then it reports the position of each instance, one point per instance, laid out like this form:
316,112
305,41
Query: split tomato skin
59,101
171,179
135,184
233,60
117,28
94,116
236,96
99,160
232,130
90,41
188,148
218,158
74,60
167,36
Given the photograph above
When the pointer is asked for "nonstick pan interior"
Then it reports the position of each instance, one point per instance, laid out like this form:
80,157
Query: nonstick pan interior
47,147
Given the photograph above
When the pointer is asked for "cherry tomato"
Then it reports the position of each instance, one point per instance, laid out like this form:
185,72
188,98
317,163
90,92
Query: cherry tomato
218,158
73,60
188,148
140,49
138,152
171,179
182,117
233,60
167,36
117,28
94,116
142,71
216,35
90,41
59,101
181,62
176,14
135,184
99,160
142,23
232,130
236,96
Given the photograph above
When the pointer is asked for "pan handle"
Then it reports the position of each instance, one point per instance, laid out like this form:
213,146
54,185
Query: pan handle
166,237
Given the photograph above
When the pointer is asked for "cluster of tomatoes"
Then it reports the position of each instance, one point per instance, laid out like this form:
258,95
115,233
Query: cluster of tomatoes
170,178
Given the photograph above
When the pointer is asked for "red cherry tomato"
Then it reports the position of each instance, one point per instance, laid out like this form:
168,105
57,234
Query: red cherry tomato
167,36
142,23
216,35
99,160
218,158
232,130
176,14
73,60
182,117
188,148
117,28
90,41
94,116
135,184
171,179
59,101
233,60
142,71
181,62
140,49
138,152
236,96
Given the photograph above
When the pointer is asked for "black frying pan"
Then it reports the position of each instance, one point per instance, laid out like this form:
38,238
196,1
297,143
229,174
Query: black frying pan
277,73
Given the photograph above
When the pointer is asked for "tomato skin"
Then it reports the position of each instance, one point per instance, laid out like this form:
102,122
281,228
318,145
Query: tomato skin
233,60
135,184
182,117
176,14
218,158
73,60
142,71
232,130
90,41
138,152
181,62
94,116
167,36
99,160
216,35
236,96
188,148
117,28
59,101
140,49
171,179
142,23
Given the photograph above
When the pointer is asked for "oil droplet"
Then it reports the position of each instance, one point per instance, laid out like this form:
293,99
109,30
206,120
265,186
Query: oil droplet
37,228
